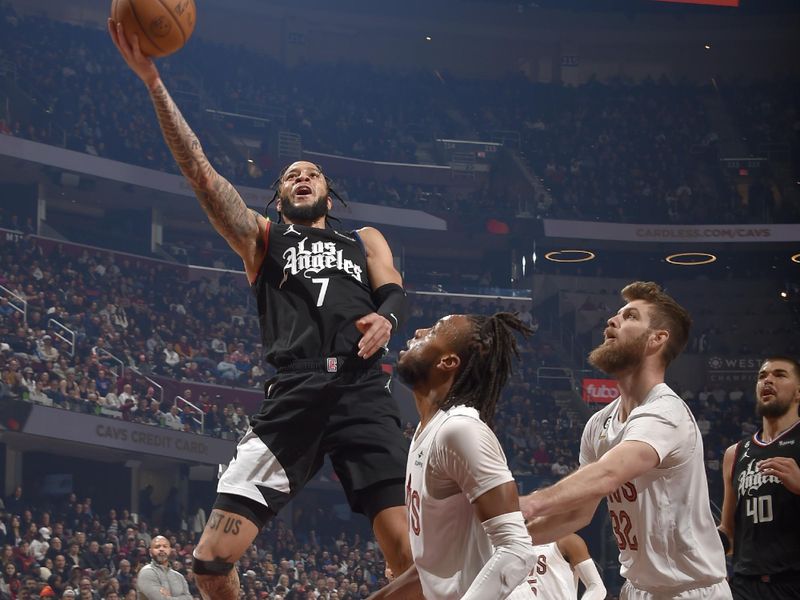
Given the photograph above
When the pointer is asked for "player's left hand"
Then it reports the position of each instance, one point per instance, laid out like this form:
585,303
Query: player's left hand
784,468
377,330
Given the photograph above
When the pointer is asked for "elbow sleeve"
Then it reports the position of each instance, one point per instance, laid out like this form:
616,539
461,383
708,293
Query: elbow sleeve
511,562
588,574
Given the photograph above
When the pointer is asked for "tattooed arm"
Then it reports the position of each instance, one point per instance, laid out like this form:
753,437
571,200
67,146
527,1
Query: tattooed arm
241,227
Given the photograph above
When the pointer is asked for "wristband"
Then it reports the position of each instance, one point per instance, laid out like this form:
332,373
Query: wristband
392,303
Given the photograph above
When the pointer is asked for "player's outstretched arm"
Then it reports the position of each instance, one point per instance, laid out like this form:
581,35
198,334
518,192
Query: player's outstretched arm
726,526
404,587
574,549
544,530
387,287
225,208
591,483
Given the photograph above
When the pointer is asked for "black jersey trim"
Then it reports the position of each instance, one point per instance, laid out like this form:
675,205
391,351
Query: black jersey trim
775,439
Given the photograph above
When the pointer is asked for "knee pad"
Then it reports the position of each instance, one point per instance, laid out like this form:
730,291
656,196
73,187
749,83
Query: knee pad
210,567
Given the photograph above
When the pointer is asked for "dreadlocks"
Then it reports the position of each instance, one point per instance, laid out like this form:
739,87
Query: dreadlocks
276,186
486,354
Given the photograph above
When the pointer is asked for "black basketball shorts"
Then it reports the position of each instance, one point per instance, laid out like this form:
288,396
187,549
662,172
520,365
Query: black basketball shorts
753,588
350,416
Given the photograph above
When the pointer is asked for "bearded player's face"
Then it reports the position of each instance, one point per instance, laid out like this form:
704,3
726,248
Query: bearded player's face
625,340
304,194
424,351
777,389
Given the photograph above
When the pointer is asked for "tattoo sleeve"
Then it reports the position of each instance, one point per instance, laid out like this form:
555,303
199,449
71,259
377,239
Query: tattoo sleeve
222,203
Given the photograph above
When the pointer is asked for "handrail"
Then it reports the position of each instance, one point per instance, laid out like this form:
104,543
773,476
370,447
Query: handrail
23,310
202,420
152,382
115,359
59,335
715,509
555,373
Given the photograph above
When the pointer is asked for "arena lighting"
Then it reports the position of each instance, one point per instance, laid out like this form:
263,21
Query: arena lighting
730,3
569,256
796,258
691,259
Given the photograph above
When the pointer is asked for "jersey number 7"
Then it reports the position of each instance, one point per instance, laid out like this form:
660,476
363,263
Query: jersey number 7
323,281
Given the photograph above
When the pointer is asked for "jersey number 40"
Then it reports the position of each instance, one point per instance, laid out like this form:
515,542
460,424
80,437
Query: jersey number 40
760,508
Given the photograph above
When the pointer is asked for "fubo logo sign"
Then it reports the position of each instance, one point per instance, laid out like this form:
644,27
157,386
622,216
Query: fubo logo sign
600,391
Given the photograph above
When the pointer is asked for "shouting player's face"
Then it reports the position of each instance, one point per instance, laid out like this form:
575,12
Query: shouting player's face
303,193
626,338
429,349
777,389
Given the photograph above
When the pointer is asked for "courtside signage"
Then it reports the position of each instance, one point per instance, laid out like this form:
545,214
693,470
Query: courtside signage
630,232
123,435
600,391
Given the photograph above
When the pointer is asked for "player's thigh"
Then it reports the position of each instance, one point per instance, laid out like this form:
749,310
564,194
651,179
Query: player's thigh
281,451
226,537
364,438
390,526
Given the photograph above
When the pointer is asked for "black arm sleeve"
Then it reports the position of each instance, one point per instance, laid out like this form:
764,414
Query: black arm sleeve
392,303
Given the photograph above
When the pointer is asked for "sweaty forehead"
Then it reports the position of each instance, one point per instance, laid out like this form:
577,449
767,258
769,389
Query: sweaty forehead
452,325
776,365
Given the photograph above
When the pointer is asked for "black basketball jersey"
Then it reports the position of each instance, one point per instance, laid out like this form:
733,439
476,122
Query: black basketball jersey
767,520
310,289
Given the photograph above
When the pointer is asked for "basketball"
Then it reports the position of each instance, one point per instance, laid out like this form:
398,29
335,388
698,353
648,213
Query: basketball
163,26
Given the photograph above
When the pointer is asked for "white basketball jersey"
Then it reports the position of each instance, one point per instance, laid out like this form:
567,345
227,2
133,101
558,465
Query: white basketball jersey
448,542
662,521
552,577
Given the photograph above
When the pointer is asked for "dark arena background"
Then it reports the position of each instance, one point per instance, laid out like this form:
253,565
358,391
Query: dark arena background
526,156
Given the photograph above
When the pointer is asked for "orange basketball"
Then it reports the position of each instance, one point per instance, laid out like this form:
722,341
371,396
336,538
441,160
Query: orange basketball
163,26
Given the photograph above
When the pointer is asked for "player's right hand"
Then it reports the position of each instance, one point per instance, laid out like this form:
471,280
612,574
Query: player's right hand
527,505
142,65
784,468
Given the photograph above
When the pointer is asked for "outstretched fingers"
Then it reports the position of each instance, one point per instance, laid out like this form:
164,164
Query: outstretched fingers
377,331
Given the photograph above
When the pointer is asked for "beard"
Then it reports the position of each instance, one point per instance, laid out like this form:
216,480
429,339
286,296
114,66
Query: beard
774,410
412,370
616,357
307,212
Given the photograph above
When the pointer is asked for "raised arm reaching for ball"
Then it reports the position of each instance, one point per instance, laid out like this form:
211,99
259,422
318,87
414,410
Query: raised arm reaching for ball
241,227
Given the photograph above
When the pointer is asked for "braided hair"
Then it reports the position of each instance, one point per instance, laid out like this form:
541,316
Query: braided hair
276,186
486,354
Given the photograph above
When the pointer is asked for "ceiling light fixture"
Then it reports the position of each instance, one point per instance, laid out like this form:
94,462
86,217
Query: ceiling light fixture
691,259
570,256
